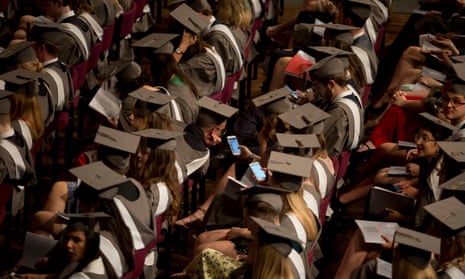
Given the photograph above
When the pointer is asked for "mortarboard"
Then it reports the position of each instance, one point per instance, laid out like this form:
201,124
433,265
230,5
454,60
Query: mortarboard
190,19
359,11
437,121
159,42
340,32
328,66
304,116
298,141
457,84
105,181
459,58
19,53
22,81
454,149
289,170
275,101
270,195
198,5
449,212
456,183
278,237
216,107
151,100
416,247
117,139
160,139
129,73
117,66
329,50
5,104
48,31
82,221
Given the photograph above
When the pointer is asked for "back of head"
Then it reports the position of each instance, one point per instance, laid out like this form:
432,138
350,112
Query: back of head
207,118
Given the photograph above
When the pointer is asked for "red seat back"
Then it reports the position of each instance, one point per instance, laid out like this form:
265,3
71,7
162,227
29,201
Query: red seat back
78,74
225,95
126,20
6,191
94,56
107,36
139,260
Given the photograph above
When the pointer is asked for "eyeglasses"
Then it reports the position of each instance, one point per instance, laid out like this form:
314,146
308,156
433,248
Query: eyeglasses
455,101
423,138
219,132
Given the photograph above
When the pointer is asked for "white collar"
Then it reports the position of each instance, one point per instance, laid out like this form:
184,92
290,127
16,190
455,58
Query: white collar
347,92
53,60
65,16
8,134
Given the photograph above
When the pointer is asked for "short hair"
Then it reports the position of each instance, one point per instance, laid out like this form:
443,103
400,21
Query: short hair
207,118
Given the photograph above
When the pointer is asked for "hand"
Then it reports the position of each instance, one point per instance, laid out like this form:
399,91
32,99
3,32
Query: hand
187,40
411,154
406,188
444,42
394,215
304,97
245,152
413,169
113,121
398,98
387,245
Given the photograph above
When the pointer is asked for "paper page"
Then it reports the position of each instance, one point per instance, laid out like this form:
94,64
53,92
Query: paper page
398,170
383,268
425,42
319,30
106,103
406,144
428,72
420,12
372,230
35,248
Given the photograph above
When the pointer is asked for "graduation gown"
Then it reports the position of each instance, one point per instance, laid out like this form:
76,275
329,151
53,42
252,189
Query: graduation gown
206,71
221,37
323,177
58,78
192,151
186,100
94,270
110,249
81,35
452,272
344,128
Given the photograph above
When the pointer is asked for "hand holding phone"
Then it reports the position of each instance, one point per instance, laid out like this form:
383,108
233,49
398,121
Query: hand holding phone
258,172
234,145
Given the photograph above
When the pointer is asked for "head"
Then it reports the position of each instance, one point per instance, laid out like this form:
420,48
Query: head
269,263
82,243
234,13
405,267
452,251
213,126
115,159
426,143
351,13
453,104
142,119
53,9
329,86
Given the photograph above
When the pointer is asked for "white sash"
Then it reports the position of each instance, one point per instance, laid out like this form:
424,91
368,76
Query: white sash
299,229
175,110
322,178
194,165
136,237
355,114
365,59
111,253
221,72
455,273
370,30
163,198
223,28
20,165
298,263
93,25
61,96
77,33
26,133
311,203
383,8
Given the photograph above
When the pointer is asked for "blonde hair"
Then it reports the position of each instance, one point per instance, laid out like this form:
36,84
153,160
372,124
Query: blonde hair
452,252
270,264
34,65
404,269
293,202
234,13
27,109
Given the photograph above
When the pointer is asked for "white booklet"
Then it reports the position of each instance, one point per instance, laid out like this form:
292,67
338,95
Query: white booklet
36,247
372,230
106,103
383,268
398,171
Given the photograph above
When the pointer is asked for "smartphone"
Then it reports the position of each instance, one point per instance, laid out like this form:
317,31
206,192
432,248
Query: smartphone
234,145
294,94
257,170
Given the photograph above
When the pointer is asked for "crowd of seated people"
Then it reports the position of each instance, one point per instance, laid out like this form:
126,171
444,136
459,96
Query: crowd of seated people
338,116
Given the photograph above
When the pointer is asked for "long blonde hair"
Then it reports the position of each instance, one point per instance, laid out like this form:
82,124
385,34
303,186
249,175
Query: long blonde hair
270,264
27,109
402,268
452,252
234,13
294,202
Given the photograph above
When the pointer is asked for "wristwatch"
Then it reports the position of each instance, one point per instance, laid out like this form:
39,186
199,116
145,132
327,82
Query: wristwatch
179,50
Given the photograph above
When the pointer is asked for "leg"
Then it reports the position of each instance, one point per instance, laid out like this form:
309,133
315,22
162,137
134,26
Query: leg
210,236
279,75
